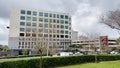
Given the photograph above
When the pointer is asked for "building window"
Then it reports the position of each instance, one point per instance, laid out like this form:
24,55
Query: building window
62,31
57,31
34,13
34,19
40,25
22,23
33,24
46,30
54,15
40,30
57,26
66,32
62,16
66,36
21,34
22,11
40,19
54,26
50,20
62,21
45,14
28,12
66,27
28,29
22,17
62,26
66,22
33,35
40,13
66,17
57,16
28,24
62,36
22,29
50,15
45,25
54,21
33,29
45,20
50,25
28,18
27,34
57,21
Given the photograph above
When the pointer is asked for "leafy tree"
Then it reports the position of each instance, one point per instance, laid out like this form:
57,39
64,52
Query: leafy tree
5,49
25,52
118,40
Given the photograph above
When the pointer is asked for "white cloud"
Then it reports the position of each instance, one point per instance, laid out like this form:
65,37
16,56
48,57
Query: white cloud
4,31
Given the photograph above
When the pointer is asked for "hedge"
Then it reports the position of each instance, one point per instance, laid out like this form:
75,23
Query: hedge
22,56
56,61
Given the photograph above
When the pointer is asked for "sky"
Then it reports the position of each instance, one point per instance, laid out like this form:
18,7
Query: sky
85,14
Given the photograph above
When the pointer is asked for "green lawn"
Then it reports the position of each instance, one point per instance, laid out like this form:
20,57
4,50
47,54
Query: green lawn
106,64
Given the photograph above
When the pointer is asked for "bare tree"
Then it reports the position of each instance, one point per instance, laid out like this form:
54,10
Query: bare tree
112,19
41,47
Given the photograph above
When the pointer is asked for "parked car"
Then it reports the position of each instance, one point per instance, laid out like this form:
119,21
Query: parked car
114,52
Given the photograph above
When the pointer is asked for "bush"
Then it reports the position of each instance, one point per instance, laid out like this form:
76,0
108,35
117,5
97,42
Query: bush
22,56
57,61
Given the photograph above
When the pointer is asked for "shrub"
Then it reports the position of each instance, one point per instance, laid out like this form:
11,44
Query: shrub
52,62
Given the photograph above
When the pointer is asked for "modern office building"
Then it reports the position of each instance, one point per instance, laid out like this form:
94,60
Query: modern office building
28,27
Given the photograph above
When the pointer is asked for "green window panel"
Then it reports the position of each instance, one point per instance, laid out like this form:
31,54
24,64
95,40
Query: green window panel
62,16
40,13
54,15
28,12
57,15
66,32
50,15
28,24
40,30
40,25
46,30
57,21
34,13
22,17
66,22
33,29
50,20
62,21
45,20
22,11
28,29
22,29
57,26
46,25
50,25
66,27
40,19
62,26
34,24
45,14
34,19
54,21
22,23
66,17
62,31
28,18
